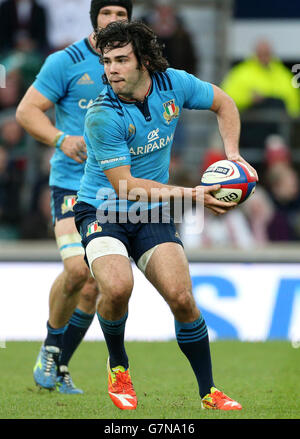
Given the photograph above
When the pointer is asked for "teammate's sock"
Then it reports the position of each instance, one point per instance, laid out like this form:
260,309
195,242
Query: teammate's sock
54,336
192,339
78,325
114,332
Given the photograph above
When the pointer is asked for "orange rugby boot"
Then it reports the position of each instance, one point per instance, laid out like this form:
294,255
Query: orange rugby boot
120,388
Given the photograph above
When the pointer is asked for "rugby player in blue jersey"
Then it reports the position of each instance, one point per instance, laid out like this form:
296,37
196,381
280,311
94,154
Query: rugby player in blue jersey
69,80
128,132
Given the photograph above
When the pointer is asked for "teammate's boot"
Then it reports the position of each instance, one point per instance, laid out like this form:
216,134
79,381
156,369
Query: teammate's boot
44,371
216,400
64,383
120,388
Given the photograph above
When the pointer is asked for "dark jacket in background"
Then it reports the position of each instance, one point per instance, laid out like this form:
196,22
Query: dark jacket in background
11,29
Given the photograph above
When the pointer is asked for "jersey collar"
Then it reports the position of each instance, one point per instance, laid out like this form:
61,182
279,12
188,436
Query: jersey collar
90,47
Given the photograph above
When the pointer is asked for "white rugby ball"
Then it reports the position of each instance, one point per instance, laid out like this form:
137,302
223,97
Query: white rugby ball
236,180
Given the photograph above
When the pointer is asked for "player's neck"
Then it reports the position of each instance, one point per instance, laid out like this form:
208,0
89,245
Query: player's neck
92,43
140,93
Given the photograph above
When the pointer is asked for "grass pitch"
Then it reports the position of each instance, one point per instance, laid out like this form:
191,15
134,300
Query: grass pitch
263,377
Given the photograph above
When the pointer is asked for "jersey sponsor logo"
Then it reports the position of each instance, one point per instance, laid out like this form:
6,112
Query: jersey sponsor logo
153,135
68,203
93,228
85,80
171,110
152,146
85,103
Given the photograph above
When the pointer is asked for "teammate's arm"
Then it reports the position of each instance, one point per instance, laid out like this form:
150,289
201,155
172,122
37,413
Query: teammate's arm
129,187
229,125
31,116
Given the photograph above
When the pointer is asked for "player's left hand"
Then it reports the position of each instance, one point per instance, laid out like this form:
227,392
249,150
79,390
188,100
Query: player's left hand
239,158
204,194
75,148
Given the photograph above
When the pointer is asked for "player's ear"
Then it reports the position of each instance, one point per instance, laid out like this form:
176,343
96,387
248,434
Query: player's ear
145,65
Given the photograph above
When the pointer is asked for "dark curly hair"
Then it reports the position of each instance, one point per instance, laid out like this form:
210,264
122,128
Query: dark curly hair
147,49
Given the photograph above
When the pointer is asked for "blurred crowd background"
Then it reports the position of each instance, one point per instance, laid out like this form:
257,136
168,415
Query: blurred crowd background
247,48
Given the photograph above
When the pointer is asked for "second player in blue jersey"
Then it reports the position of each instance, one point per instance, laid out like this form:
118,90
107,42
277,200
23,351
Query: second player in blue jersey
69,81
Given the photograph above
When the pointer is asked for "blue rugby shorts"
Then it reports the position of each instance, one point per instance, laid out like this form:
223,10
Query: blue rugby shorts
137,238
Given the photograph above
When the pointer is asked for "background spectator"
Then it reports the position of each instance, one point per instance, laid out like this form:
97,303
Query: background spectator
276,151
283,184
232,230
171,30
37,224
22,19
11,93
71,23
179,50
259,210
262,82
213,153
13,168
21,65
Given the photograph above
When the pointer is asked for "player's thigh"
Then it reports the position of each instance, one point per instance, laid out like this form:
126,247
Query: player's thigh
113,274
168,271
106,252
110,265
65,226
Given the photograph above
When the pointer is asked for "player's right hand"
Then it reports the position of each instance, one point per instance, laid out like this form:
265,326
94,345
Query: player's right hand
75,148
204,195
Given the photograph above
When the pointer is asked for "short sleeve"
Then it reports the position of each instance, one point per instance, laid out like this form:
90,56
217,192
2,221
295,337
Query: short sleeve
105,132
198,94
52,80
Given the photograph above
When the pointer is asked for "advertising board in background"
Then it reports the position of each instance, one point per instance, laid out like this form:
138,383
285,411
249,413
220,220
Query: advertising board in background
243,301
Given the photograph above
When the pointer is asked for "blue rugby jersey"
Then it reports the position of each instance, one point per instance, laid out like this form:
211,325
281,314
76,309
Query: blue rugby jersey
119,133
71,79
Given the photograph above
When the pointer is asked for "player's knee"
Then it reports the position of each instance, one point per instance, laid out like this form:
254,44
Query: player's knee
181,301
76,276
118,292
89,292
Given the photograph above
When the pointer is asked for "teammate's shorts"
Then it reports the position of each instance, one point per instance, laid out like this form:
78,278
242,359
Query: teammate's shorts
62,203
138,238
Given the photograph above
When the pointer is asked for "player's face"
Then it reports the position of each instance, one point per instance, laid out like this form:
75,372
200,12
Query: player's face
123,72
108,14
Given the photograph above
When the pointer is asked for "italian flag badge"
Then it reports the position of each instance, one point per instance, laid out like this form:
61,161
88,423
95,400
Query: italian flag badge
171,110
68,204
93,228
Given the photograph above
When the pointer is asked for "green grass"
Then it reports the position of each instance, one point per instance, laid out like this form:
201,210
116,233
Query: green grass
263,377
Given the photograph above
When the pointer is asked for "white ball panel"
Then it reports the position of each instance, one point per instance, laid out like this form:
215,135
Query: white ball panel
229,194
220,172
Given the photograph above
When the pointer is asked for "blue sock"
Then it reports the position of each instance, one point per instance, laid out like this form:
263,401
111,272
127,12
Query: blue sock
54,336
193,340
78,325
114,332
